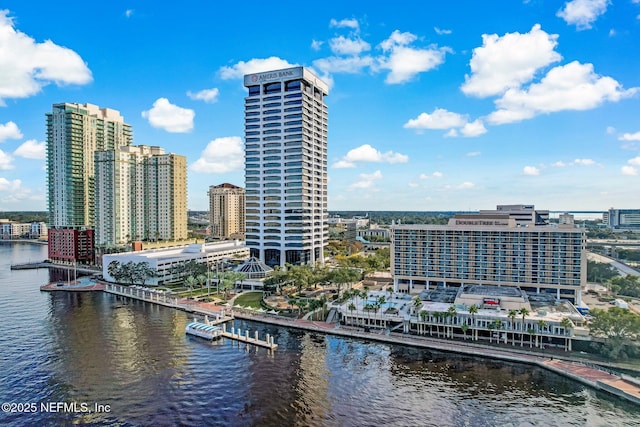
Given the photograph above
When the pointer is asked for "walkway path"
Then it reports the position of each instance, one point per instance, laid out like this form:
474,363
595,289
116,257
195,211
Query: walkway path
592,376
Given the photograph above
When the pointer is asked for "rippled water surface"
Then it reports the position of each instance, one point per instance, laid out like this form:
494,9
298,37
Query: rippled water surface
94,348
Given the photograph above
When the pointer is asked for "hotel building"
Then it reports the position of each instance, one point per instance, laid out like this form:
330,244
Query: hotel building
286,166
226,211
490,250
141,194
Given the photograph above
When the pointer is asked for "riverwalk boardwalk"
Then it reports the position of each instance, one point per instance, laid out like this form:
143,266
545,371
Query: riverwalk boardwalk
593,376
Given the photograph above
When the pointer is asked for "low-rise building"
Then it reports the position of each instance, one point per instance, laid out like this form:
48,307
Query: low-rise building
161,261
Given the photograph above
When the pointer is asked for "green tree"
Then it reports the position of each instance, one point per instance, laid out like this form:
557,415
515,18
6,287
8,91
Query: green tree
512,317
628,285
542,324
600,272
524,312
568,326
473,310
190,282
617,326
114,270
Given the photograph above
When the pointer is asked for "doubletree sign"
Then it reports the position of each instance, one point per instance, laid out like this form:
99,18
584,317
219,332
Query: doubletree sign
491,302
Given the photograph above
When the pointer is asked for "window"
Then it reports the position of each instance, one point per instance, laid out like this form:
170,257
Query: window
271,105
254,90
292,85
293,95
274,111
272,88
271,118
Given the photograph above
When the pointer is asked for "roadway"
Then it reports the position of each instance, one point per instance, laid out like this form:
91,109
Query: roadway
622,268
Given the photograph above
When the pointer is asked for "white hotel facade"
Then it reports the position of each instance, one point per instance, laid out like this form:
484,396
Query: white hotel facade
286,166
490,250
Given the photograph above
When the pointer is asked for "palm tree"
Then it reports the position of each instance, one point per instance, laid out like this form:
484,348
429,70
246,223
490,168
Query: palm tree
464,328
417,304
190,282
541,325
531,331
524,312
423,316
568,326
473,310
351,307
512,315
498,325
451,314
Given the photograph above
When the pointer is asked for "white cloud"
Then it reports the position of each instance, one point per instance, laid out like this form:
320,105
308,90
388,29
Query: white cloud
345,23
413,185
559,164
467,185
441,31
348,46
252,66
221,155
316,44
9,130
9,186
26,66
439,119
457,124
406,62
531,171
509,61
436,174
582,13
635,161
630,137
349,65
165,115
5,161
128,13
475,128
629,171
610,130
209,96
367,181
32,149
473,153
568,87
584,162
367,153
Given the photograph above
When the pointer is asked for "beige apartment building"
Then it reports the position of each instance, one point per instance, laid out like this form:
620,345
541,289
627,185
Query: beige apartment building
226,211
141,194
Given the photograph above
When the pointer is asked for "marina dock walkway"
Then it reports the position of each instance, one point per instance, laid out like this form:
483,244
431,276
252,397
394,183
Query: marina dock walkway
590,375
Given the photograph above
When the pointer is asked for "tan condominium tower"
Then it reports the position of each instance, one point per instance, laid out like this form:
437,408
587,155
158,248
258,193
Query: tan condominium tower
226,211
141,194
286,166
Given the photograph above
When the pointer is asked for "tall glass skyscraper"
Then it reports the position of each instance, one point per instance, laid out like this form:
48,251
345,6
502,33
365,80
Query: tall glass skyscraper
286,166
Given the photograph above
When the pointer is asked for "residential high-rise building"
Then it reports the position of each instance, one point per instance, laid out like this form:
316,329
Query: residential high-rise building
286,166
128,193
74,133
226,211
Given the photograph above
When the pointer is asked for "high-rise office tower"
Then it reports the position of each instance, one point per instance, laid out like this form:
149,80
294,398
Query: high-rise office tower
226,211
286,166
74,133
127,193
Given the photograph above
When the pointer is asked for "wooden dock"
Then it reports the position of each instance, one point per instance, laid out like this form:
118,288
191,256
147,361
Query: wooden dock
269,342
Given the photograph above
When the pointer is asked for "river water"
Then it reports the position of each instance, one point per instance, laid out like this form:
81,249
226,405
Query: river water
95,359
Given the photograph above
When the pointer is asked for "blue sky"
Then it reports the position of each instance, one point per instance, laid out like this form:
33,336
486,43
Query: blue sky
431,106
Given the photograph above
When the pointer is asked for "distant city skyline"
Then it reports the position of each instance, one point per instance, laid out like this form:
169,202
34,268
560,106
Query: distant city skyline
434,107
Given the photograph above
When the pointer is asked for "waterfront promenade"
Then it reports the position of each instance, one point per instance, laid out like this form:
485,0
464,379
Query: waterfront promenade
590,375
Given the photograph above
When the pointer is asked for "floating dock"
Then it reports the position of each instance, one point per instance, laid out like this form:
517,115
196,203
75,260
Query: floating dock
269,342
